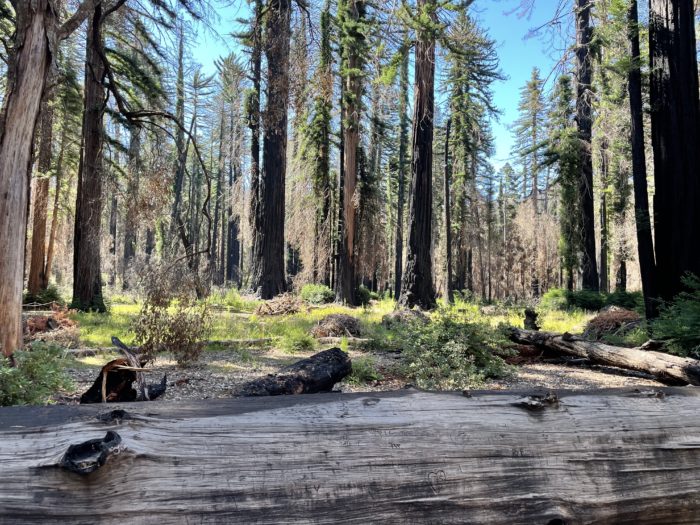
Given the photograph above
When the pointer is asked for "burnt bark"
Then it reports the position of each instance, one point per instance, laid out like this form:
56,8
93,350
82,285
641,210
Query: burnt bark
448,217
417,283
87,280
584,33
675,136
318,373
268,249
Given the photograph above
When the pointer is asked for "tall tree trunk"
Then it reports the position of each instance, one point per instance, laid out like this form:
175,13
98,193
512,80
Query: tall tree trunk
87,279
37,267
56,200
347,279
132,195
28,67
400,197
675,136
180,146
217,271
417,283
448,218
645,242
268,250
604,227
584,120
113,219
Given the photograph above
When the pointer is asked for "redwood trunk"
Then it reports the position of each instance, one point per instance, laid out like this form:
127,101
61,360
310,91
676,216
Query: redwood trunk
87,281
584,119
675,135
268,250
27,72
645,242
417,284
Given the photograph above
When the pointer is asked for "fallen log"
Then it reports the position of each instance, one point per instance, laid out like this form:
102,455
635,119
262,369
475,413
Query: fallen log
666,368
401,457
352,341
318,373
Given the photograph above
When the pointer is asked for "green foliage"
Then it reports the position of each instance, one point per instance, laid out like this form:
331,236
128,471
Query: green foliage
363,295
453,352
298,342
232,299
317,294
364,370
679,321
38,375
47,296
559,299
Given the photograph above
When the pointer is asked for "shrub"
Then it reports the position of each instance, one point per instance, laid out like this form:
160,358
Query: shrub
364,370
363,295
317,294
629,300
294,343
37,375
586,300
450,353
554,299
45,297
171,319
679,321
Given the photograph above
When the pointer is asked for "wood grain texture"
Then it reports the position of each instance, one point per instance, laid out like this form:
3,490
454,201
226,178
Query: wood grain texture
402,457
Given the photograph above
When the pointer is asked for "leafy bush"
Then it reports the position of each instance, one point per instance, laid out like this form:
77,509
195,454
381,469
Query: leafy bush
554,299
48,296
679,321
296,342
37,375
171,319
451,353
317,294
364,370
363,295
559,299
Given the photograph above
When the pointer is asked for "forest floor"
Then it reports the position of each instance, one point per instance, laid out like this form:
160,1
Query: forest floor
223,368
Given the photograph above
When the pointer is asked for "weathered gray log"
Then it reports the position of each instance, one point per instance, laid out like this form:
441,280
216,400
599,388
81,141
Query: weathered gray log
618,457
351,341
666,368
318,373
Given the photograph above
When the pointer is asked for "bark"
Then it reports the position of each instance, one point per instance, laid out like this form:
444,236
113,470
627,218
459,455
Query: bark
180,145
584,32
389,457
28,67
132,195
448,218
400,197
417,283
254,126
87,280
268,250
218,272
37,268
666,368
675,136
318,373
645,242
604,230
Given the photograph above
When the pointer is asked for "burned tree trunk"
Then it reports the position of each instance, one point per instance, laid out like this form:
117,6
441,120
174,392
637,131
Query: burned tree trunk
666,368
318,373
268,249
417,285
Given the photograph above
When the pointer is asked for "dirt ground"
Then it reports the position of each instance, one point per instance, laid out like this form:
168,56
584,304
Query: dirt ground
219,372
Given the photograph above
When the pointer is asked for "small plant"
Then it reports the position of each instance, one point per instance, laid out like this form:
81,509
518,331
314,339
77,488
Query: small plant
37,375
451,353
317,294
171,319
45,297
364,370
363,295
554,299
679,321
295,343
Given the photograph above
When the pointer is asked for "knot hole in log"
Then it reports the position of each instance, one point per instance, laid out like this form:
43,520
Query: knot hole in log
89,456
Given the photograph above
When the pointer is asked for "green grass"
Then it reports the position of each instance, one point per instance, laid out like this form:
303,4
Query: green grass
97,329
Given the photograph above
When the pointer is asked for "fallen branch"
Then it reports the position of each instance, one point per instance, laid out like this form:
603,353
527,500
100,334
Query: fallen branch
318,373
352,341
665,368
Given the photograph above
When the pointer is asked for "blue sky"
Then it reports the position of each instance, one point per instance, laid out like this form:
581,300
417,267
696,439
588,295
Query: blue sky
518,54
